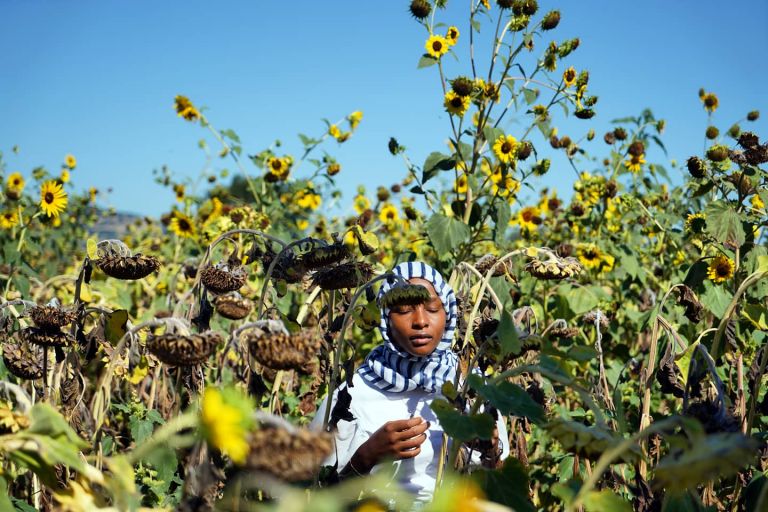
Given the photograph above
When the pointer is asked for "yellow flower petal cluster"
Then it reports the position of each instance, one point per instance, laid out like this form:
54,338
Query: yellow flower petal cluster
70,161
224,426
437,46
695,223
388,213
528,218
307,198
592,257
278,168
53,199
182,225
354,119
452,35
757,203
185,108
461,184
455,104
14,185
361,203
635,162
9,219
721,268
334,131
64,177
569,76
505,148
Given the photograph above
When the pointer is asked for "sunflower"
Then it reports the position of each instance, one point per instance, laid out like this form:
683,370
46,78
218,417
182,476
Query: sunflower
182,225
460,185
178,189
504,185
302,224
361,203
388,213
720,269
15,182
53,199
437,46
505,148
710,101
695,223
308,199
635,162
569,76
225,425
70,161
486,4
590,256
8,219
64,177
279,167
491,91
334,131
185,108
757,203
455,104
528,218
92,193
333,169
354,118
452,35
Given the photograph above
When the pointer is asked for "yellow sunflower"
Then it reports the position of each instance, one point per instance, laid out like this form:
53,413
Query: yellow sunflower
178,189
721,269
92,193
492,91
185,108
64,177
455,104
354,118
436,46
757,203
504,186
308,199
361,203
53,199
15,182
70,161
279,167
460,185
9,219
635,162
505,148
528,218
224,425
695,223
592,257
710,101
452,35
569,76
333,169
389,213
183,226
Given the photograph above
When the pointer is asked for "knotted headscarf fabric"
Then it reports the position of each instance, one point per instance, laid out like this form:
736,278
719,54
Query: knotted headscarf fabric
390,368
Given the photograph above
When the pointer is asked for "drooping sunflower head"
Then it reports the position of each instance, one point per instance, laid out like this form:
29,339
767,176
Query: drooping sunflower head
551,20
53,199
462,85
436,46
182,225
721,269
505,148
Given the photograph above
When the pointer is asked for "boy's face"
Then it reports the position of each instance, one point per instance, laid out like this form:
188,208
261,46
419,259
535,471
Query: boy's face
418,329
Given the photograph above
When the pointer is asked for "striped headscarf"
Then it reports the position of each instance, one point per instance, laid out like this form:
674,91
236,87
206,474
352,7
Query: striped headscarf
388,367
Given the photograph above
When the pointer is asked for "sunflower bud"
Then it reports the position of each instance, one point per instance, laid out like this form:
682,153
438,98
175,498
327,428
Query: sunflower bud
541,167
712,132
333,169
637,148
567,47
734,131
551,20
525,7
420,9
590,101
620,133
393,146
395,188
382,194
462,86
524,150
753,115
717,153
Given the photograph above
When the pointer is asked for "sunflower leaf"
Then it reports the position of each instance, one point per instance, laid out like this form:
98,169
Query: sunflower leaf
426,61
446,233
461,426
724,223
436,162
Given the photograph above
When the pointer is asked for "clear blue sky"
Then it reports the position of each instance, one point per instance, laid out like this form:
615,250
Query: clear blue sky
97,78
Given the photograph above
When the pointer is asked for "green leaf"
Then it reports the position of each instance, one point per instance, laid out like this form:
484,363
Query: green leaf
716,299
583,299
724,223
712,456
426,61
605,501
501,215
582,353
491,133
757,314
507,485
683,361
586,440
530,95
434,163
460,426
507,334
696,275
446,233
46,421
509,398
116,325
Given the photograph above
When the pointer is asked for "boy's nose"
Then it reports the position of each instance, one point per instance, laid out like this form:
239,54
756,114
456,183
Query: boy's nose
419,319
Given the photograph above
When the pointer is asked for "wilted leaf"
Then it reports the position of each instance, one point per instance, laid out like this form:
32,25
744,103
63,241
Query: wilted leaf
713,456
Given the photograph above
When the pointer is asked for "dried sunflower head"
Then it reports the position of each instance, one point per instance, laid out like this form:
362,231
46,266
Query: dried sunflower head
44,337
137,266
291,456
404,294
23,360
52,317
324,256
554,268
484,264
289,267
564,333
593,316
221,278
233,306
346,275
178,350
282,351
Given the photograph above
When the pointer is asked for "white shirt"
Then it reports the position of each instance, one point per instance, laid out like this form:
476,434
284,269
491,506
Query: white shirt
371,409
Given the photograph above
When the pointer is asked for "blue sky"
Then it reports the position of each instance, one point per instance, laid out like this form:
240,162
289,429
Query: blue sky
97,78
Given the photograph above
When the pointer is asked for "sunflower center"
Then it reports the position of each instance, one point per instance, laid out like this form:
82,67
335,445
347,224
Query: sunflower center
527,216
276,165
506,147
456,102
184,225
437,46
590,255
723,270
48,197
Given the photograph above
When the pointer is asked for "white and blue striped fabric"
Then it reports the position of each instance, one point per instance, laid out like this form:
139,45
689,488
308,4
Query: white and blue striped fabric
389,368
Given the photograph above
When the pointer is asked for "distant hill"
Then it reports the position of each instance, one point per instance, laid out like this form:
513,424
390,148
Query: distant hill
113,225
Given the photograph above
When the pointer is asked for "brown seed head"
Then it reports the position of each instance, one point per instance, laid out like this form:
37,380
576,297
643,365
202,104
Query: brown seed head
420,9
551,20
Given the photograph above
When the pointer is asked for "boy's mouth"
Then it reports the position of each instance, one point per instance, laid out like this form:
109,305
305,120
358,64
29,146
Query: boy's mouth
418,340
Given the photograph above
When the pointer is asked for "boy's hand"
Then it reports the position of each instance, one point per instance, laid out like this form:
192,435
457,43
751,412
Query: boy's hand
399,439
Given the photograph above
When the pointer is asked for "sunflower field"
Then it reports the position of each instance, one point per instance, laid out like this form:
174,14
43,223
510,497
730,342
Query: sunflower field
621,330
